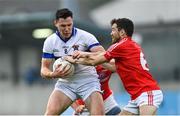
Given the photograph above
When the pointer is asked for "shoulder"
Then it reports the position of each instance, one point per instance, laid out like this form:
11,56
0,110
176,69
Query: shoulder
84,33
118,45
51,38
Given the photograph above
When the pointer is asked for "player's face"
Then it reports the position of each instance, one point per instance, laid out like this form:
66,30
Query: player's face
64,26
115,33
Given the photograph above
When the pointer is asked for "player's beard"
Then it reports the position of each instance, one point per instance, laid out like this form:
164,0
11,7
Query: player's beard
114,40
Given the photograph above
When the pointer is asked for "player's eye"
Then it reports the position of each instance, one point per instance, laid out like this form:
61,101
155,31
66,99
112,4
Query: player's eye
63,25
69,25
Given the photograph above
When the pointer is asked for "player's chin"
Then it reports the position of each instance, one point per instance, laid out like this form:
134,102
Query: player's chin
67,35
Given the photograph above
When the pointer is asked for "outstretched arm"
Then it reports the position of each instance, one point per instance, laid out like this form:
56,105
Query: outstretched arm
87,58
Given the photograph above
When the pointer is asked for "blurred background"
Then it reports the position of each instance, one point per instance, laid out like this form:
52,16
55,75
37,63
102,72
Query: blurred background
24,25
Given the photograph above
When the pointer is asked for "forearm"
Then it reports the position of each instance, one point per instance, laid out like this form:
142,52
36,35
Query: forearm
88,58
85,58
89,54
92,60
45,68
86,61
46,73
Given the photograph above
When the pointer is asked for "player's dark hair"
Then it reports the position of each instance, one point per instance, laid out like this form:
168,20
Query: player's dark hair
124,23
63,13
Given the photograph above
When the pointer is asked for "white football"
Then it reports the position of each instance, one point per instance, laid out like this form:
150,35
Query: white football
64,63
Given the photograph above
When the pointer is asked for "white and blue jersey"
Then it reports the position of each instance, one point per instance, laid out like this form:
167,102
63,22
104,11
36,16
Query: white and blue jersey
55,47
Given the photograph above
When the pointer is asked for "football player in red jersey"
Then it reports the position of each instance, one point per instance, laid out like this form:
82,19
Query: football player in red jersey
110,105
146,95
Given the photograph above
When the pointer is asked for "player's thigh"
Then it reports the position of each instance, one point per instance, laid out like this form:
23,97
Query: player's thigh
147,110
95,103
58,102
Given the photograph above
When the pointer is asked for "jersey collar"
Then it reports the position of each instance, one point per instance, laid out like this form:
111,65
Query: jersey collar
74,30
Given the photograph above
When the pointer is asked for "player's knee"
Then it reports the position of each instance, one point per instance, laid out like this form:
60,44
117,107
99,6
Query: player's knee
52,111
147,110
97,111
124,112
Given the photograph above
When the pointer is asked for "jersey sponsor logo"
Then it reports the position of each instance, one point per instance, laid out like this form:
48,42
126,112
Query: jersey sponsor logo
75,47
65,47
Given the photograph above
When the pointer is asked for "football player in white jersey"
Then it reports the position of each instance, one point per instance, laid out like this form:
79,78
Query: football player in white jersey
84,83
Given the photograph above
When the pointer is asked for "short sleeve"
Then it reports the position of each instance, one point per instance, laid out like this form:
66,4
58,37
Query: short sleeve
47,49
114,51
91,41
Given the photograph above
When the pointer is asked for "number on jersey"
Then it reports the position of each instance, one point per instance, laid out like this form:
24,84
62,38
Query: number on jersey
65,51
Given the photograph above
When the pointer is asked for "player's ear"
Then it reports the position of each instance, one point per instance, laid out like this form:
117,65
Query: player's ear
55,23
122,32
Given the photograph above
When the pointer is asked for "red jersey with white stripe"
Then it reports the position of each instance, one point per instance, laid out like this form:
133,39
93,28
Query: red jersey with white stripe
131,67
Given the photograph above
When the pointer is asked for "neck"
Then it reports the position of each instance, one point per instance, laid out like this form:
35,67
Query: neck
123,36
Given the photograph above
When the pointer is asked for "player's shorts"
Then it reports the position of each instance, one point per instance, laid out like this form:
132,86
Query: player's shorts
152,98
74,90
111,106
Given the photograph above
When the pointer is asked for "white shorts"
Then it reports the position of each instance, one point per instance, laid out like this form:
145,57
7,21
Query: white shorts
109,103
75,90
153,98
